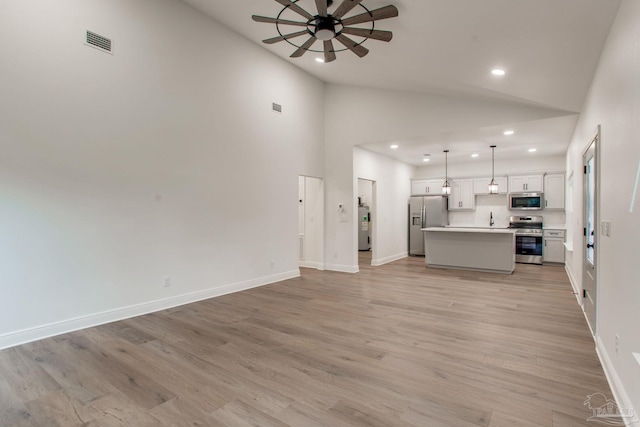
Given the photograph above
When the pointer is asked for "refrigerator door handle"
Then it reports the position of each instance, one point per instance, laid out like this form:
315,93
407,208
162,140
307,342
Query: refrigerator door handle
424,217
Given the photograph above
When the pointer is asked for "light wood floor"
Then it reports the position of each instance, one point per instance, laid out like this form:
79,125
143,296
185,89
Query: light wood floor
397,345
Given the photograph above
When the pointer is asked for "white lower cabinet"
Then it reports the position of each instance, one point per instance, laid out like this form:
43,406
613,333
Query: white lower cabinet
553,249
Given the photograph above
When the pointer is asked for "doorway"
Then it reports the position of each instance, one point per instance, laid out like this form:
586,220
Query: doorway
311,222
590,232
365,224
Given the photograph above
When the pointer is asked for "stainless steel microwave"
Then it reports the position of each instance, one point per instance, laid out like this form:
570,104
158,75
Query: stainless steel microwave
526,201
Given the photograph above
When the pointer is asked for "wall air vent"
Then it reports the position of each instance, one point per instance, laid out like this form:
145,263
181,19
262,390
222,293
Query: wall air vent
99,42
276,107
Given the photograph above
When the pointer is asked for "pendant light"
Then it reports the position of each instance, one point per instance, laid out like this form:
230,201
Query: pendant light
446,188
493,185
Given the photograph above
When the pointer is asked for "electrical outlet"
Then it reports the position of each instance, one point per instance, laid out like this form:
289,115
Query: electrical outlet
607,231
167,282
617,344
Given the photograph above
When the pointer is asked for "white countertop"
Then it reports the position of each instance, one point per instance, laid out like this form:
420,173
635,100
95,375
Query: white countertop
470,230
554,227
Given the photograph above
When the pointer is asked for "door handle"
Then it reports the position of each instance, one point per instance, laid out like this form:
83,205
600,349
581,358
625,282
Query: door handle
589,246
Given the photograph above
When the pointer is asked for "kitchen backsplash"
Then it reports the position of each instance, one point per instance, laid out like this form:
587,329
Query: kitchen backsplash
497,203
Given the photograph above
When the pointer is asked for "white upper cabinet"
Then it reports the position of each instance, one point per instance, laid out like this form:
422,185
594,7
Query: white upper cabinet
481,185
462,196
554,191
525,183
431,187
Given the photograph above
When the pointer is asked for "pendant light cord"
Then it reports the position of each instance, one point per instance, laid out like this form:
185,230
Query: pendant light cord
493,162
446,167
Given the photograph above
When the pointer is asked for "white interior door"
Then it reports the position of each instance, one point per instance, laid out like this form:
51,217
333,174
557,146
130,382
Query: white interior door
589,265
311,222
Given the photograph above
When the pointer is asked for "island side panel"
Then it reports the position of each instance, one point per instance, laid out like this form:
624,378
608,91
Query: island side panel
473,249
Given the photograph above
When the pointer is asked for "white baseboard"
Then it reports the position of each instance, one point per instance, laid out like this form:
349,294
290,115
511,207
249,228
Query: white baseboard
617,388
24,336
381,261
311,264
342,268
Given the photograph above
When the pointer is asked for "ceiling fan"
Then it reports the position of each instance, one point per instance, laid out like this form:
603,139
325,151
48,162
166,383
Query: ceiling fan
327,27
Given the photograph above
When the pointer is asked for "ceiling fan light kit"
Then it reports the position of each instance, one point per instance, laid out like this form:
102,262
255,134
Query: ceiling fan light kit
327,26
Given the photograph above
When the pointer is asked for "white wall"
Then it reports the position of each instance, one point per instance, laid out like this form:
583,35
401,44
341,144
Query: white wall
365,191
390,212
157,161
614,102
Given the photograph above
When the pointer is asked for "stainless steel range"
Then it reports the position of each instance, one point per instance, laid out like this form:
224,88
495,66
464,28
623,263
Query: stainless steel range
528,231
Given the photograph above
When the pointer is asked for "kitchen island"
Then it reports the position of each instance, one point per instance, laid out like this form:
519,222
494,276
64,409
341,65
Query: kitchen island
482,249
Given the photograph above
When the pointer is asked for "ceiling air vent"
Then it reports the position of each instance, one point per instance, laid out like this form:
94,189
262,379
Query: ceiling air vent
276,107
99,42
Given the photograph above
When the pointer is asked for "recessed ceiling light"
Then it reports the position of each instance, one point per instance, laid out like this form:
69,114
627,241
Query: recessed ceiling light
498,72
426,159
532,150
394,146
475,155
508,132
320,60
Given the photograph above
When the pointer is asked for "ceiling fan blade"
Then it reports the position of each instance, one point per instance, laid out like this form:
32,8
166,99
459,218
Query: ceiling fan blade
329,53
382,13
385,36
303,49
321,5
345,7
285,37
268,20
291,5
352,46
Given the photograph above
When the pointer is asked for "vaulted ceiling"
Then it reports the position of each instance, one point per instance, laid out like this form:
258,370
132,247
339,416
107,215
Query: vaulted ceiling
549,50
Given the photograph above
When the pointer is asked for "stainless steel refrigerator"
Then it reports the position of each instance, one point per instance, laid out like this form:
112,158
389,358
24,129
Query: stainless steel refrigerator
425,211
